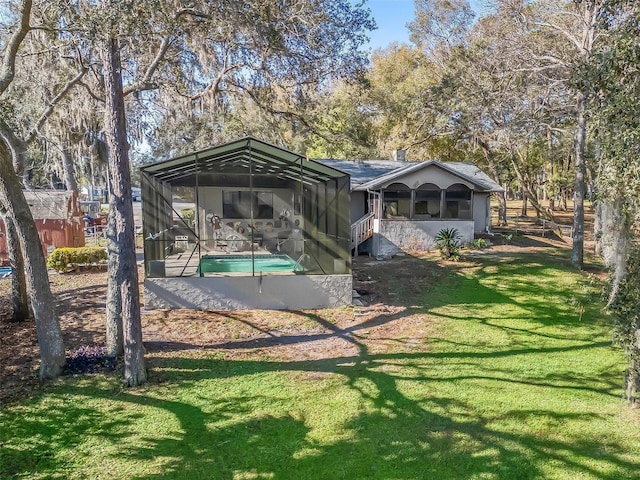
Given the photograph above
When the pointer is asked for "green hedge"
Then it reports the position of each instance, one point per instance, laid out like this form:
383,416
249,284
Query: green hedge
64,259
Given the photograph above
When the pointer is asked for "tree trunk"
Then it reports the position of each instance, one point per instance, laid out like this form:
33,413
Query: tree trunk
502,208
19,297
527,194
614,238
577,254
42,301
632,377
115,342
123,271
68,170
523,208
502,201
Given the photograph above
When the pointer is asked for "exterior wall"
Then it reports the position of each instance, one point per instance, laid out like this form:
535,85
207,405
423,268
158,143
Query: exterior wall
358,202
394,236
431,174
60,233
53,233
274,292
210,198
482,212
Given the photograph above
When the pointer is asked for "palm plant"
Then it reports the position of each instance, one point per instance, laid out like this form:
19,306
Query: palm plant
448,242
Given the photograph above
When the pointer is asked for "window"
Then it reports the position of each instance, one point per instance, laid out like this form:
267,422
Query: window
427,202
241,204
397,201
458,202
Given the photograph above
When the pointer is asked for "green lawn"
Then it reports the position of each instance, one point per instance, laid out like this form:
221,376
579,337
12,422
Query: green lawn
514,381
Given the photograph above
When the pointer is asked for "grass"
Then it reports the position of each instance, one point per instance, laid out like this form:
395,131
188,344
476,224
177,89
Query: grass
518,380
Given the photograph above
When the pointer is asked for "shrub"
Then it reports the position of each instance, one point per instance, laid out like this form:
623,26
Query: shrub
448,242
188,215
64,259
478,244
89,359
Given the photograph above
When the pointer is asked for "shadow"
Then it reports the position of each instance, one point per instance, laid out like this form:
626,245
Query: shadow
64,426
229,435
432,414
84,297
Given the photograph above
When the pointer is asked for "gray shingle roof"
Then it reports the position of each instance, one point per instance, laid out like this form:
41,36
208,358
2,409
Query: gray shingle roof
371,174
51,204
362,171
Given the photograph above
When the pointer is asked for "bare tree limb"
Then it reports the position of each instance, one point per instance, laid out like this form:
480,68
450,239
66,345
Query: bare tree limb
52,104
8,67
145,83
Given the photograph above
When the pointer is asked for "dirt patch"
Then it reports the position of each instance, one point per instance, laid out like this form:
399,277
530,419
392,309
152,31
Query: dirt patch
385,320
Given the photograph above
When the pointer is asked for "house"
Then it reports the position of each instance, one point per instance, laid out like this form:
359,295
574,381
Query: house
58,218
249,225
402,205
245,225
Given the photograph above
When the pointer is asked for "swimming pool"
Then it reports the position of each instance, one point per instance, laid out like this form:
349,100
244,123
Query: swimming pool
246,264
5,272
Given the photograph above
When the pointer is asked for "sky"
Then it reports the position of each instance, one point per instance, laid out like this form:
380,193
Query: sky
392,17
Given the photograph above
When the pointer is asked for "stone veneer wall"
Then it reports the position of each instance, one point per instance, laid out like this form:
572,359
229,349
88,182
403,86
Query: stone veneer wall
394,236
270,292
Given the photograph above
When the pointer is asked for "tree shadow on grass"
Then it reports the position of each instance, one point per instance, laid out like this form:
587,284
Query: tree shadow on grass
61,426
403,427
395,435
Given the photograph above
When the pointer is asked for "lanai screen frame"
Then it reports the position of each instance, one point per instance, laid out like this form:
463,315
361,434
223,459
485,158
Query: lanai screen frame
255,165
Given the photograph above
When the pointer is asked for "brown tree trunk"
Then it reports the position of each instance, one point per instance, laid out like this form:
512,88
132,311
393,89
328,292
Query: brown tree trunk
502,201
123,271
115,342
68,170
528,195
577,254
42,302
632,382
502,208
19,297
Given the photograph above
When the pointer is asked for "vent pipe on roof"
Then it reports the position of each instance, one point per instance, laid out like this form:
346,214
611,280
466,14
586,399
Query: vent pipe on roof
399,155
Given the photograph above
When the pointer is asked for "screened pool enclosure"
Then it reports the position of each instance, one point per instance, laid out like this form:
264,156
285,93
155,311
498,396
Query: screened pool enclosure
245,225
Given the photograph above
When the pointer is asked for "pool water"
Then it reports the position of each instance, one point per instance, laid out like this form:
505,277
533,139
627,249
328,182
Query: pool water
246,264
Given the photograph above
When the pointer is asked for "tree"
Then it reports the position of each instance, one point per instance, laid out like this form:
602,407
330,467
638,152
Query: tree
15,207
612,75
121,232
343,123
203,55
397,81
571,29
19,297
441,25
272,60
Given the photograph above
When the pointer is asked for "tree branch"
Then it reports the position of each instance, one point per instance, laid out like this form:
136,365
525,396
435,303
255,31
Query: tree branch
145,82
8,68
52,104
